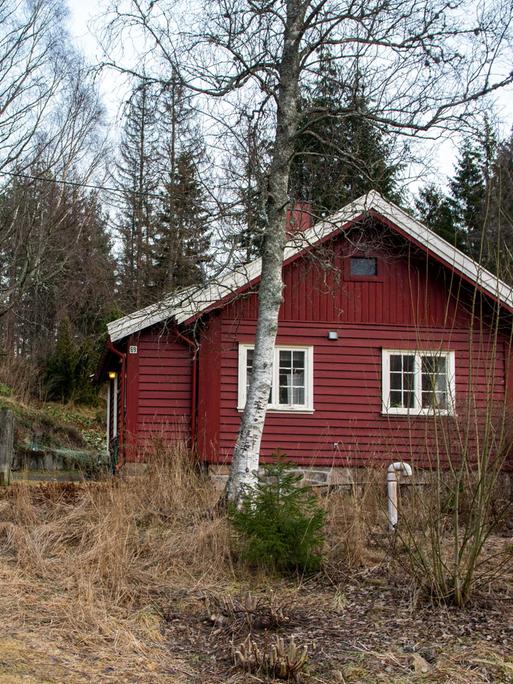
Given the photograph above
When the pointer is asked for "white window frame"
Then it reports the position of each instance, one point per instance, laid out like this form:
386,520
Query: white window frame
274,406
418,410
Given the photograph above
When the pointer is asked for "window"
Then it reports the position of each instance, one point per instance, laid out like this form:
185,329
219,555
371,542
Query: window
364,266
292,385
418,382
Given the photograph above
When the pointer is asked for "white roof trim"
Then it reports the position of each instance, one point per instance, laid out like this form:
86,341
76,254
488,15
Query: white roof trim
192,301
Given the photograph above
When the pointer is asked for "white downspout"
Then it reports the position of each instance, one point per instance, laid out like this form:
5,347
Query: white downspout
393,469
108,413
115,408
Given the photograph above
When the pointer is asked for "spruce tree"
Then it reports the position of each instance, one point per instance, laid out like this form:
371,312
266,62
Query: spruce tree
137,178
182,238
182,249
435,210
499,243
340,154
468,198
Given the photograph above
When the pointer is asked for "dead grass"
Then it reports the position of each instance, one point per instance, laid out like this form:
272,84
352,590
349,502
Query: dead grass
91,564
132,580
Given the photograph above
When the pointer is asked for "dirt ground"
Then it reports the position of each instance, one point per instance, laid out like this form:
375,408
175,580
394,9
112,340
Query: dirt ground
367,630
112,582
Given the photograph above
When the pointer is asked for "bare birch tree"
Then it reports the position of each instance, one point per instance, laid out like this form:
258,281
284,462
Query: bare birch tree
49,121
425,64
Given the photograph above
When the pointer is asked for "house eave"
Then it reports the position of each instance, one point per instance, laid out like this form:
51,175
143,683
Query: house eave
186,305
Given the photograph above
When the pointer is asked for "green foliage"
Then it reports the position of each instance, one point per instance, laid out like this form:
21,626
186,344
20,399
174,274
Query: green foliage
5,390
182,248
67,371
280,522
340,151
435,210
468,197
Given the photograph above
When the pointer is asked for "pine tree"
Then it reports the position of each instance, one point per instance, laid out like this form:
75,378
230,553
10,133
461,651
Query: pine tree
499,244
182,238
435,210
340,153
137,177
468,198
183,245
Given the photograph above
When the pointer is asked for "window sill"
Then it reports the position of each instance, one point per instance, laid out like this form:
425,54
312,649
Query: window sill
419,414
282,409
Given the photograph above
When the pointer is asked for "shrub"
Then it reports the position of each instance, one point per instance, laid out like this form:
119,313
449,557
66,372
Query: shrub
448,542
66,371
280,522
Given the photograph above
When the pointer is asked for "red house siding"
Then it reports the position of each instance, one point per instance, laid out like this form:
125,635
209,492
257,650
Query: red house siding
413,303
406,307
158,391
347,394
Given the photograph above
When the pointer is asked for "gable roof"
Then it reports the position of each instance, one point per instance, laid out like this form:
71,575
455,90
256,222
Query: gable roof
187,304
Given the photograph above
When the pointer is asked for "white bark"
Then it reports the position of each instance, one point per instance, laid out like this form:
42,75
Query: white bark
246,454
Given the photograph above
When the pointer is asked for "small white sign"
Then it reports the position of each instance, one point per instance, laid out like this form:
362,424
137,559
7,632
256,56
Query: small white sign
132,349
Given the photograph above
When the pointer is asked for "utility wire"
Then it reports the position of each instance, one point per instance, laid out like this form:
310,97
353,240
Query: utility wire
77,184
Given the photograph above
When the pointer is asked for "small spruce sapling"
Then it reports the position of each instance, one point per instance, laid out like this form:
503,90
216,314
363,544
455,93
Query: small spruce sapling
280,522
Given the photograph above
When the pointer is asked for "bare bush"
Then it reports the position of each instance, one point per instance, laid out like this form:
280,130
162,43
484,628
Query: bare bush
458,508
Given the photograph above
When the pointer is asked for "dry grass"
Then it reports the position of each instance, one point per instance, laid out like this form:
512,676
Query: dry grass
132,580
91,564
355,522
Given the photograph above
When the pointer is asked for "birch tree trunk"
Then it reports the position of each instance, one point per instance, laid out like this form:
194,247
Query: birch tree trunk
270,293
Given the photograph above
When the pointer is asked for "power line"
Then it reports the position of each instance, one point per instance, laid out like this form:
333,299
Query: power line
77,184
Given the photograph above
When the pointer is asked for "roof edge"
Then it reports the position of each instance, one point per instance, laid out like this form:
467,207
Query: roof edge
191,302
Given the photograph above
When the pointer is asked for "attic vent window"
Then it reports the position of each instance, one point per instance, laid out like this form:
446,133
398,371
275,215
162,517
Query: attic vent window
364,266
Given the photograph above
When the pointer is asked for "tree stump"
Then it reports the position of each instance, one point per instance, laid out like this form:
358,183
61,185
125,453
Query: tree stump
6,445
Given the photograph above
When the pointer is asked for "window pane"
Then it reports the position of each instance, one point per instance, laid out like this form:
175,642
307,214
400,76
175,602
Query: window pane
285,359
285,379
249,366
434,382
298,379
408,362
292,377
402,381
434,400
285,394
396,381
396,362
409,399
396,399
298,358
299,395
409,382
363,266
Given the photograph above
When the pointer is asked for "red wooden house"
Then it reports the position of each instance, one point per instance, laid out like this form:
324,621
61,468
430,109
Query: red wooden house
386,330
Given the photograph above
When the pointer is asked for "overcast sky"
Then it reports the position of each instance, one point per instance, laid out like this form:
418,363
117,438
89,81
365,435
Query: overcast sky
82,25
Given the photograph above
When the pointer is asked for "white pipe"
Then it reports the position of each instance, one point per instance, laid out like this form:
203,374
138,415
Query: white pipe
108,413
393,469
115,408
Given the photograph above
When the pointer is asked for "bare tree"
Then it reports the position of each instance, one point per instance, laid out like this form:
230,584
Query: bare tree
425,64
30,74
49,125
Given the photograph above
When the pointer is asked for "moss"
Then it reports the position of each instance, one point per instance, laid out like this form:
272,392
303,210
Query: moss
5,390
53,426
